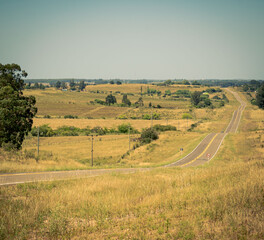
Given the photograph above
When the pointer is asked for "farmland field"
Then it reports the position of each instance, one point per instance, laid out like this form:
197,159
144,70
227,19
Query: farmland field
74,152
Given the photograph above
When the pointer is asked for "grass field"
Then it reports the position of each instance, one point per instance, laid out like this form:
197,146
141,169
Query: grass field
219,200
61,153
112,150
138,124
57,103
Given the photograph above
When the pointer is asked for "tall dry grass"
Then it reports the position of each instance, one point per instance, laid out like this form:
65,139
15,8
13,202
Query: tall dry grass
219,200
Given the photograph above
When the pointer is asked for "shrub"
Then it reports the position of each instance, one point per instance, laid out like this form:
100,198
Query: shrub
148,135
146,117
186,116
122,117
123,128
155,116
98,130
68,131
163,128
100,102
216,97
44,131
70,116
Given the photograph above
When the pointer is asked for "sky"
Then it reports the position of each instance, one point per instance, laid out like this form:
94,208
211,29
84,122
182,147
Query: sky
134,39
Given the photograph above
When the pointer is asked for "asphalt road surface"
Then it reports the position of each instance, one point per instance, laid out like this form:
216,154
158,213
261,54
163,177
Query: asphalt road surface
203,153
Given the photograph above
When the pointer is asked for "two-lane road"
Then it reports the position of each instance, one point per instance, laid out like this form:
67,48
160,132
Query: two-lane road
209,146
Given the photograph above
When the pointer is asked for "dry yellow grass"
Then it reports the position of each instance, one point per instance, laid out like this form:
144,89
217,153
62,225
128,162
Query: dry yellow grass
54,123
57,103
109,151
219,200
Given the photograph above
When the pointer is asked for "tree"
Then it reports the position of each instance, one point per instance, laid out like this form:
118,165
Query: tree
16,110
36,85
139,103
72,85
112,82
125,100
195,98
58,84
148,135
168,82
260,97
82,85
185,82
110,99
196,83
118,82
63,85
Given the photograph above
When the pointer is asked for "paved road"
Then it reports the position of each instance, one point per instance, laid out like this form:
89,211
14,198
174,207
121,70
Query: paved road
203,153
207,149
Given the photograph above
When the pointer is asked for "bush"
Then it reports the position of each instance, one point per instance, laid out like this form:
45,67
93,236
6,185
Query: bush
186,116
148,135
100,101
98,130
216,97
70,116
44,131
68,131
163,128
122,117
146,117
155,116
123,128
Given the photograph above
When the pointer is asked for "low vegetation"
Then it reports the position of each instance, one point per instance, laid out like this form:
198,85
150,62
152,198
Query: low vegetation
221,200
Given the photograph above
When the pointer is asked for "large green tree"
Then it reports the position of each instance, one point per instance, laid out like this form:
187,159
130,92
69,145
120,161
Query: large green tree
196,98
16,110
260,97
110,99
125,100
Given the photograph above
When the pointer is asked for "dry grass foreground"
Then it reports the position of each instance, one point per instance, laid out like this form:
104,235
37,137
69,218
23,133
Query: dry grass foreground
221,200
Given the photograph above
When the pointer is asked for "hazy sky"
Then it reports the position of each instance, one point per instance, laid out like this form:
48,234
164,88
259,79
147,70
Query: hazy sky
134,39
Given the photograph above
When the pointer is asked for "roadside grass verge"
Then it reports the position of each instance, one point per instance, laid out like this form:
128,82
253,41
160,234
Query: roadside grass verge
213,202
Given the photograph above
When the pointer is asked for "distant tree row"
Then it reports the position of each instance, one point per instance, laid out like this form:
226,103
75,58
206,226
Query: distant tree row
202,100
182,82
118,82
73,85
36,86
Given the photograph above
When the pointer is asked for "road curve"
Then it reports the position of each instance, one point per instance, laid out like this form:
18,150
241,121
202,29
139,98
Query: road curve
203,153
209,146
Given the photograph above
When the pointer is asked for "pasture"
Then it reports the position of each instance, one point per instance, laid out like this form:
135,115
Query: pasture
74,152
220,200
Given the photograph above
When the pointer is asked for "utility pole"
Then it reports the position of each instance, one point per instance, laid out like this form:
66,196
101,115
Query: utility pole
129,138
151,117
38,144
92,151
